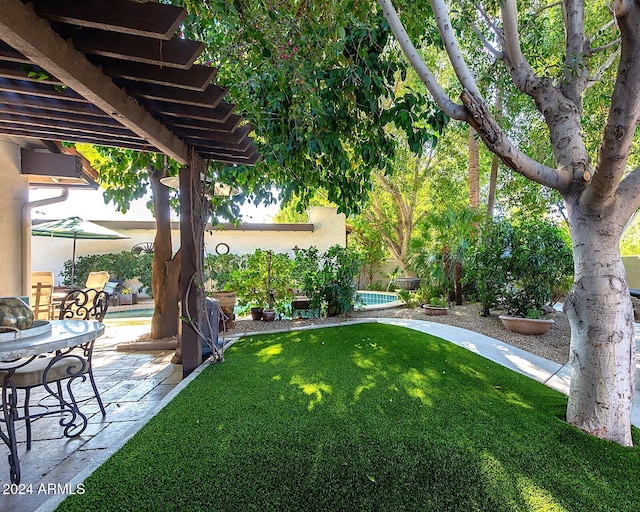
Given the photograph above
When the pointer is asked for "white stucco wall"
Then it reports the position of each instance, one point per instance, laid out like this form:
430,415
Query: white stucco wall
329,228
13,194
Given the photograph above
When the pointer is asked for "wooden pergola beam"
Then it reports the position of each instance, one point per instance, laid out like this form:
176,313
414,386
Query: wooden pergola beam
32,36
144,19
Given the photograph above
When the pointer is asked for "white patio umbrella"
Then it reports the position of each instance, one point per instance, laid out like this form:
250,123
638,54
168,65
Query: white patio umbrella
76,228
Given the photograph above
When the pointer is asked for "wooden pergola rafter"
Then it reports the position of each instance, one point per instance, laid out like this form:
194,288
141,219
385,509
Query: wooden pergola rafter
113,73
119,74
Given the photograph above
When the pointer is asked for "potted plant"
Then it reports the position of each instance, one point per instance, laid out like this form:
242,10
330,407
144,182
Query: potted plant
436,306
262,283
520,268
128,298
534,323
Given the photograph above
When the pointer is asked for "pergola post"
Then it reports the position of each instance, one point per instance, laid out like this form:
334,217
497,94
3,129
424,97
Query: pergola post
192,221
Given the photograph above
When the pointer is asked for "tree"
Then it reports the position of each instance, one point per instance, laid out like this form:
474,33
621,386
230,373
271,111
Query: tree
317,83
398,202
126,174
601,194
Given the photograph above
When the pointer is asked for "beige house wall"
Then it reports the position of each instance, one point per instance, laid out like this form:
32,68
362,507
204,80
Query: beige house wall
326,228
632,267
13,194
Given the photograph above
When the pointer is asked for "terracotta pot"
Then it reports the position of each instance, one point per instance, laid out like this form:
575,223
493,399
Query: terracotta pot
435,310
268,315
526,325
227,304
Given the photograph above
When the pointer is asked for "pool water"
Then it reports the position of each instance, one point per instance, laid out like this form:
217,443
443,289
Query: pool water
378,300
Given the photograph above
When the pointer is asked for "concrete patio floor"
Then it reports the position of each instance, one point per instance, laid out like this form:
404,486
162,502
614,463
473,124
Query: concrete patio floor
135,385
131,385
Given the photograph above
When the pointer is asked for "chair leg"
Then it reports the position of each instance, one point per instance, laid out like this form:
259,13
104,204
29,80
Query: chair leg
95,390
59,386
27,417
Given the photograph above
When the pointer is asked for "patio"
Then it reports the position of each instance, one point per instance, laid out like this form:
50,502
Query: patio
131,384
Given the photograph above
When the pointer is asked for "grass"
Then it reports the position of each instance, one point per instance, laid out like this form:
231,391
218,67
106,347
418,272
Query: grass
362,417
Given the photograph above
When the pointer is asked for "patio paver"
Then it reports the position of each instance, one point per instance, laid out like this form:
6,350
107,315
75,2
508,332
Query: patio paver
132,386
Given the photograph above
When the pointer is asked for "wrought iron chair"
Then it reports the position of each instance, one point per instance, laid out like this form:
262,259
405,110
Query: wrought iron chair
64,365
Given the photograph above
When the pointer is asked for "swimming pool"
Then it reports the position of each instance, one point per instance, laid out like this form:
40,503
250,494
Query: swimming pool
379,300
371,300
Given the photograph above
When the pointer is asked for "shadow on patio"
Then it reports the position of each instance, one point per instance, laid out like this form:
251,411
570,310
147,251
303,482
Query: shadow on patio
131,385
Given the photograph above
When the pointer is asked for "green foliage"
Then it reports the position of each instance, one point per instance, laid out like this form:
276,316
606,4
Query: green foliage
367,241
122,265
317,82
328,279
439,301
366,417
439,253
410,299
630,242
219,268
520,266
264,280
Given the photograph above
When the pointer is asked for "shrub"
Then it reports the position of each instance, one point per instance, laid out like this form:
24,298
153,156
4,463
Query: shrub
521,267
329,280
263,280
219,268
122,265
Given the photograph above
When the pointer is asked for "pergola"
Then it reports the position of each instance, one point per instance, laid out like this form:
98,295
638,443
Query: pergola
114,73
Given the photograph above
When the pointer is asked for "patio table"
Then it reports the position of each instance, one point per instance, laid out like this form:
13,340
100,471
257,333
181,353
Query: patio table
65,336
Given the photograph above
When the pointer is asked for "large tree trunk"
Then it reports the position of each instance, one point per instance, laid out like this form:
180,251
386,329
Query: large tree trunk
599,309
165,268
600,203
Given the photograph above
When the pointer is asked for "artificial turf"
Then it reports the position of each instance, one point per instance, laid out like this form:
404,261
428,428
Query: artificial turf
362,417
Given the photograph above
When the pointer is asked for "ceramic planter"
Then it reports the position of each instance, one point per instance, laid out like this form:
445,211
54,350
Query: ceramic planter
526,325
435,310
256,313
268,315
227,304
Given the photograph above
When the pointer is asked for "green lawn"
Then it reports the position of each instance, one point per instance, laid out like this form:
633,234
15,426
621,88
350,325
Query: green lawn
363,417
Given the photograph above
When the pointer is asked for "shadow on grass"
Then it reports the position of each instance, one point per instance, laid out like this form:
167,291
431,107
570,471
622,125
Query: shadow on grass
363,417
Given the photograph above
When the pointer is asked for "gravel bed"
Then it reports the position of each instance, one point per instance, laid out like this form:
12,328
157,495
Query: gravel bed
553,345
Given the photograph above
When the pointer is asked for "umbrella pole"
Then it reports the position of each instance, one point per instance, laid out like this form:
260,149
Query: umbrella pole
73,262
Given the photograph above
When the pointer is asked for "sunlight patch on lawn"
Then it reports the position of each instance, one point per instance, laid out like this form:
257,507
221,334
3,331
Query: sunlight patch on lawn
536,497
313,390
269,352
416,384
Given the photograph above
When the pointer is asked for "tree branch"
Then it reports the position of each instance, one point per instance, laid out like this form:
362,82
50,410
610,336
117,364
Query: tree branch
597,75
624,111
467,80
576,52
498,54
628,194
453,110
494,138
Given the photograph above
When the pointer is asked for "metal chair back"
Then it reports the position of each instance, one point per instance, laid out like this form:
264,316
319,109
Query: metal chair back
88,304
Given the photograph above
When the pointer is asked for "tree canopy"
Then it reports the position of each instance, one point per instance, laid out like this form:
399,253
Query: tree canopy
317,80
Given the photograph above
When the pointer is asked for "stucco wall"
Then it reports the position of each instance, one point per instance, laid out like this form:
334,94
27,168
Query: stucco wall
329,228
632,267
13,194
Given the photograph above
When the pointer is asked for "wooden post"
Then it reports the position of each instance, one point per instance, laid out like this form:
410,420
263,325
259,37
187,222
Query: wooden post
192,217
